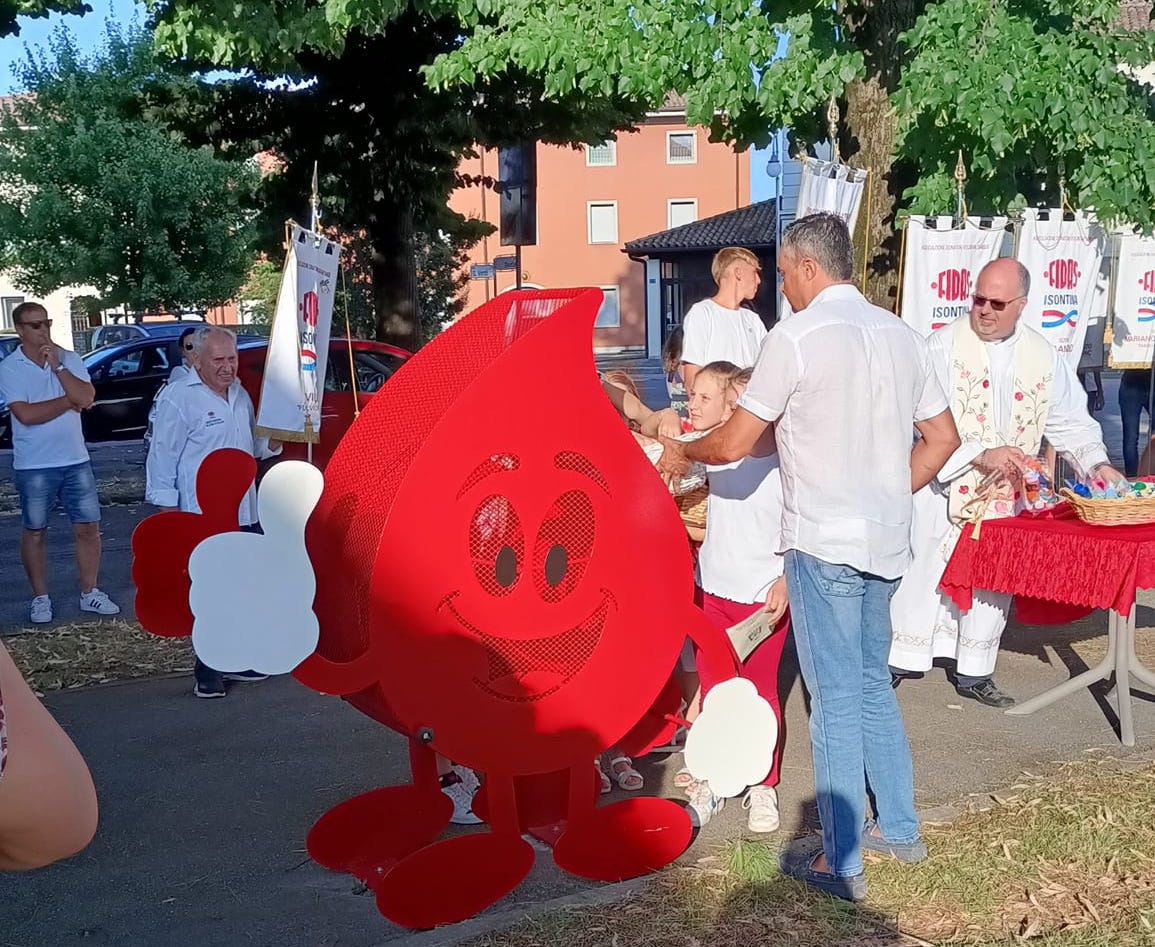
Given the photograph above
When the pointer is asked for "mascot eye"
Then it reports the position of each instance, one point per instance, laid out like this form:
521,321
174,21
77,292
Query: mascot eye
555,562
496,545
563,546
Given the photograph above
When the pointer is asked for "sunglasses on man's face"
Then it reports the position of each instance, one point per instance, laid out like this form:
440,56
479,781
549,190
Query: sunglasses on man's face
39,324
998,305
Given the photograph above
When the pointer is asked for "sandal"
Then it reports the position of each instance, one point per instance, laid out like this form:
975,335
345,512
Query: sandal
683,778
628,778
606,784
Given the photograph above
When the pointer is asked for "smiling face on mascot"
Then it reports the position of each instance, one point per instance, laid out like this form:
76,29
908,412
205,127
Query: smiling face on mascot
530,584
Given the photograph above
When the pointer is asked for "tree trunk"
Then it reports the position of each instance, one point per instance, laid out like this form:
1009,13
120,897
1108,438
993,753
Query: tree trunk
393,264
871,126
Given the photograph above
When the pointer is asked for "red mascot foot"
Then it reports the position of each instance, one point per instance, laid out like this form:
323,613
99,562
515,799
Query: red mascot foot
366,835
625,840
452,880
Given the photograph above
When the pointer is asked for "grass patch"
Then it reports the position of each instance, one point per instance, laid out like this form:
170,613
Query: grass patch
71,656
1066,860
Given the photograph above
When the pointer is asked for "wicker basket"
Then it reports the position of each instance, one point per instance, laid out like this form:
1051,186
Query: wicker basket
692,506
1121,511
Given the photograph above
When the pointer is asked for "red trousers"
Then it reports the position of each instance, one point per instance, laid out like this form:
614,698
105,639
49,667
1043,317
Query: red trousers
760,668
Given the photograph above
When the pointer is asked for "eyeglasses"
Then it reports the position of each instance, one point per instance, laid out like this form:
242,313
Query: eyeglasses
998,305
38,324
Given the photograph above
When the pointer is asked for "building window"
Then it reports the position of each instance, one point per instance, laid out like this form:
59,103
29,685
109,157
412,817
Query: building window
681,148
610,315
604,155
7,304
603,221
679,212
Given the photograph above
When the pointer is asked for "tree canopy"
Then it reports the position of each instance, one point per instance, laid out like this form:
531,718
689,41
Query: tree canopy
353,99
1036,93
10,10
95,190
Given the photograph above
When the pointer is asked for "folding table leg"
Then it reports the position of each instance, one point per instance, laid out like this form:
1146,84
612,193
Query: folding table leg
1123,651
1100,672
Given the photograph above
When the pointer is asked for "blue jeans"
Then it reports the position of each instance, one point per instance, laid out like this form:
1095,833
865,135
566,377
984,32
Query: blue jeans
41,487
841,622
1134,392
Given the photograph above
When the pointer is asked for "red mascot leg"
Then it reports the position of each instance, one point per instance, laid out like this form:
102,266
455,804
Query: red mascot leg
368,834
623,840
454,879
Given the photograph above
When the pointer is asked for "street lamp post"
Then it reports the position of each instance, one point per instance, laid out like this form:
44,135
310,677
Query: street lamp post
775,168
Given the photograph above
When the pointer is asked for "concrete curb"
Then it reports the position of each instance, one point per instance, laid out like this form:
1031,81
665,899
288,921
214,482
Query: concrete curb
488,923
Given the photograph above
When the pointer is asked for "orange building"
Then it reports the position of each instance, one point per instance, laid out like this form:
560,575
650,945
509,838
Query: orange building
592,200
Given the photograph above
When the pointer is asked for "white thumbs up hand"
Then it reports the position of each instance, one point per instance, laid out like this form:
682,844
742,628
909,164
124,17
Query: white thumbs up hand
252,594
731,744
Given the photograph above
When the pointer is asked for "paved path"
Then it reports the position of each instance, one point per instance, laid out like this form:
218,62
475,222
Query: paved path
205,805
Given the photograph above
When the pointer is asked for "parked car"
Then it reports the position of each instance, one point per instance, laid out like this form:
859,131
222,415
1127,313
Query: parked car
117,332
373,364
127,378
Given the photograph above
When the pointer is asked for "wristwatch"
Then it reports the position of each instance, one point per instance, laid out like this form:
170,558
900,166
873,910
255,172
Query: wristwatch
58,369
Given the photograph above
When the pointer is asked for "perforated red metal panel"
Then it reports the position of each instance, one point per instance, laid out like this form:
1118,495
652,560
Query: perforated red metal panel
492,527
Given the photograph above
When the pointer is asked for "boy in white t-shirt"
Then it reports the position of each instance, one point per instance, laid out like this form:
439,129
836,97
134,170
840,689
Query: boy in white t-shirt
720,329
740,572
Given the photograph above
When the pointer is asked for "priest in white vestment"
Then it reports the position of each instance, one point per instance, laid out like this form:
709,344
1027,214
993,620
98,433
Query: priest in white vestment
1008,390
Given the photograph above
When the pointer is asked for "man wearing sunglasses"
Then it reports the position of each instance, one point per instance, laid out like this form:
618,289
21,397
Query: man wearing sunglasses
1009,389
46,388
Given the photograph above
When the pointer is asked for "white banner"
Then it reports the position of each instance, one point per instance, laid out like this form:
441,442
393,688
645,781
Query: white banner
941,263
1133,317
294,379
827,186
1064,258
830,186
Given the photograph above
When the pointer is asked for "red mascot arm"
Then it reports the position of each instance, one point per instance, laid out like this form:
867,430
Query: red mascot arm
338,678
715,652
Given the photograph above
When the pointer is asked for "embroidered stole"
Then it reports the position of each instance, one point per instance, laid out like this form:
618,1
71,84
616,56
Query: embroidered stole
971,405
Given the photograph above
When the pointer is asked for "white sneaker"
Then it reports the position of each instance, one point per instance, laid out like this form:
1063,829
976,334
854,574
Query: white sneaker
461,792
762,801
41,611
704,805
97,601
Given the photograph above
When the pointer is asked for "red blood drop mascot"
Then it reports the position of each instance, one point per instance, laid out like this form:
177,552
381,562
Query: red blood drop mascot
502,577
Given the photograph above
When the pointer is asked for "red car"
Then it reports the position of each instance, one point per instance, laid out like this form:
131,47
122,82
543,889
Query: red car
373,364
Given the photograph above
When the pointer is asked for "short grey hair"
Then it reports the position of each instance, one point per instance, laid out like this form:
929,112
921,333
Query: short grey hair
201,335
825,239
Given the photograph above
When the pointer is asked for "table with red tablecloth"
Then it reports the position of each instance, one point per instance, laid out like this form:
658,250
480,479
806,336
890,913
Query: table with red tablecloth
1060,568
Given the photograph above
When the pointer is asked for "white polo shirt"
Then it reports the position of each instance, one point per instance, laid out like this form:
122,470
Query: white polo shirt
55,443
845,380
711,333
191,422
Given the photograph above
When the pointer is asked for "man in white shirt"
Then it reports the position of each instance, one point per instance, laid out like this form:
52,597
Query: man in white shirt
205,411
846,383
46,388
1009,389
721,329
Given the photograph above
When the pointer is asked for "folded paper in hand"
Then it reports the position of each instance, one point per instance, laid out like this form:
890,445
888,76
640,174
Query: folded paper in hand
751,632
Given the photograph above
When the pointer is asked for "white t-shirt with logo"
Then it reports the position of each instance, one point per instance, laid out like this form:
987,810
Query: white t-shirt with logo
55,443
739,559
711,333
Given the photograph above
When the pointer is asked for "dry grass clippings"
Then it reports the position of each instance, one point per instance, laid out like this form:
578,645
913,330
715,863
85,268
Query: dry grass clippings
85,653
1065,860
